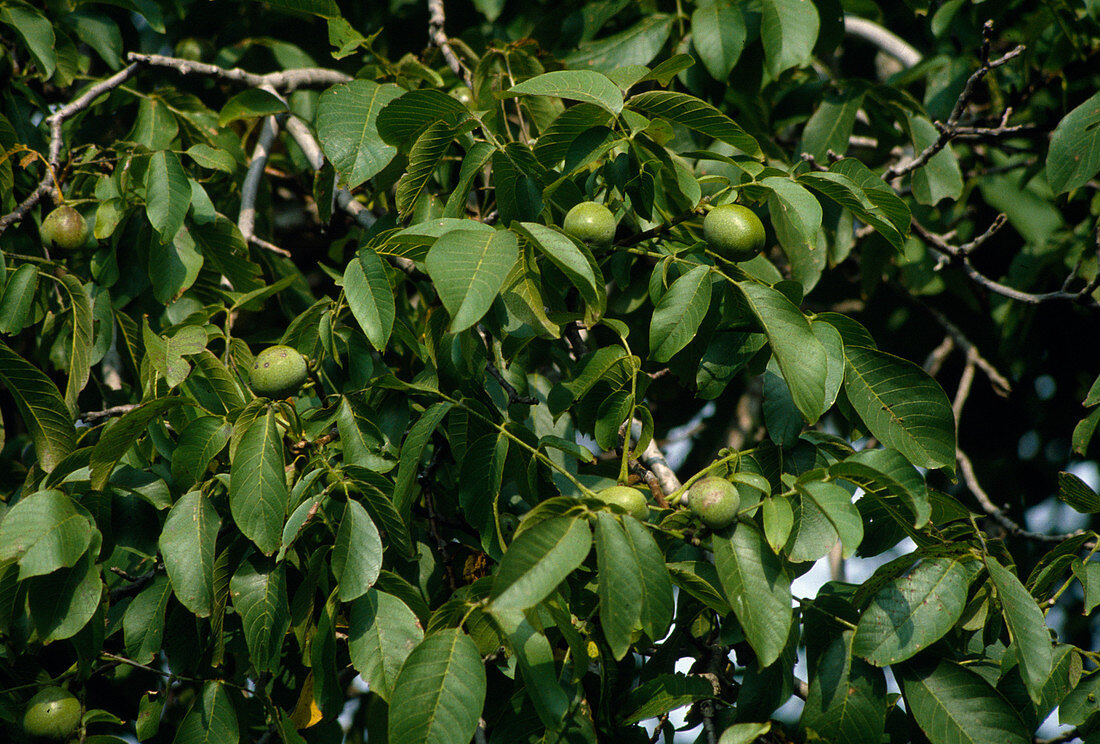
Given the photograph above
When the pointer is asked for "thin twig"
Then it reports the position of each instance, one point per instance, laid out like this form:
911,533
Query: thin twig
960,254
938,356
951,129
647,475
513,394
89,417
1001,385
662,228
997,514
54,121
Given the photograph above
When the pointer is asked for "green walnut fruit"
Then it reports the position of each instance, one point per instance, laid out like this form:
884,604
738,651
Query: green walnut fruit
590,223
734,232
64,228
630,499
714,501
52,714
462,94
278,372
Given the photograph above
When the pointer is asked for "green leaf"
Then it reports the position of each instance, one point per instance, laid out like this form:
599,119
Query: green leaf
61,603
258,591
850,195
657,601
122,434
1026,626
199,443
788,31
912,612
902,406
538,560
876,191
953,705
167,354
1075,492
574,85
847,697
361,440
347,128
442,690
41,408
620,585
824,509
695,114
1082,702
757,588
44,531
382,631
476,158
830,126
36,31
187,546
535,659
212,718
403,120
212,158
357,554
411,451
370,297
480,477
796,216
224,250
744,733
1089,576
636,45
554,143
700,580
167,193
522,295
570,259
468,269
173,266
939,178
258,496
885,473
1074,155
719,34
15,307
665,693
143,621
800,355
424,158
249,104
678,314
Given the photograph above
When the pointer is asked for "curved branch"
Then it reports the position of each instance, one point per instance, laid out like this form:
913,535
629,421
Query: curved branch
887,41
285,81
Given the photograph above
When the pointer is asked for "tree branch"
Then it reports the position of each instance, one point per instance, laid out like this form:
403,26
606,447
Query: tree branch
996,513
284,81
886,40
960,255
951,128
437,17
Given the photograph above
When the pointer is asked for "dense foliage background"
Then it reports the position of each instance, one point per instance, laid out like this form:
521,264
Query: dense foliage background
903,386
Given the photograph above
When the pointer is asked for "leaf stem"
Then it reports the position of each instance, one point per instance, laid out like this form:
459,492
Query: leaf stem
537,453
